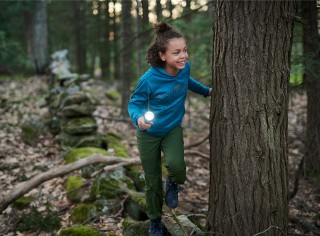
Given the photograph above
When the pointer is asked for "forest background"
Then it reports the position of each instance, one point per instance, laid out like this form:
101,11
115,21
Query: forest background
108,40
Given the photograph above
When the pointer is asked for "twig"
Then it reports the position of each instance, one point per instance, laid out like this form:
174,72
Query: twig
272,226
197,153
191,145
178,222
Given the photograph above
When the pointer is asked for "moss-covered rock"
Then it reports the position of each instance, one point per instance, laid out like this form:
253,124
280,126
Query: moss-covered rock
88,140
31,130
83,213
110,206
80,231
74,188
113,94
78,110
81,125
83,152
135,228
134,210
111,184
76,98
114,142
137,175
22,202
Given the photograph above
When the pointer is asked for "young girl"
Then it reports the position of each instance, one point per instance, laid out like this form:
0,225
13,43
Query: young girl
163,90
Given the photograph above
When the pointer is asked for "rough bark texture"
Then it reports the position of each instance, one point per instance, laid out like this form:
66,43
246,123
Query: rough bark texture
80,33
251,68
36,29
311,52
126,55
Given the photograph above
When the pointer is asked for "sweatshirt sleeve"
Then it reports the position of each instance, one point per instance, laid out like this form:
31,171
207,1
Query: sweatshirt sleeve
138,101
197,87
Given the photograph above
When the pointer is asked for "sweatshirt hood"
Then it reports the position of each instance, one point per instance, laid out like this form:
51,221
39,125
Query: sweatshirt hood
158,71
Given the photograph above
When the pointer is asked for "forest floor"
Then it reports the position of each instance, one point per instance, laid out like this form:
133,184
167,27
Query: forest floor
20,100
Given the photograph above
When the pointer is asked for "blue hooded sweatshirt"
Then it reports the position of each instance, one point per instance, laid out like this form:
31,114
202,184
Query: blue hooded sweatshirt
165,96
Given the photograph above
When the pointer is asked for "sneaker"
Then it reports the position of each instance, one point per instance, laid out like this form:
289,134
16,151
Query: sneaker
155,228
172,190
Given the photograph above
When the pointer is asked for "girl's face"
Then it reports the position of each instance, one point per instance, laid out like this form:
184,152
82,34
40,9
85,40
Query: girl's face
176,55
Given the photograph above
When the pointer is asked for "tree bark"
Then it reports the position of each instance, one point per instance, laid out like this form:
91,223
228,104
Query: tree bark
126,56
158,10
36,29
248,139
104,40
311,78
79,19
116,57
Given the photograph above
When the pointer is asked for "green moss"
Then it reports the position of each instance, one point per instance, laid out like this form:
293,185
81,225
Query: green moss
113,94
80,231
135,228
83,213
31,130
83,152
73,188
22,202
137,175
114,142
78,126
110,185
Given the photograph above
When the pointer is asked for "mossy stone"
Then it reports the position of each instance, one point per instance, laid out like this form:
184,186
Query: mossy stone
135,228
110,206
80,231
114,142
88,140
83,152
78,110
113,94
73,187
76,98
110,185
83,213
137,175
80,125
22,202
31,130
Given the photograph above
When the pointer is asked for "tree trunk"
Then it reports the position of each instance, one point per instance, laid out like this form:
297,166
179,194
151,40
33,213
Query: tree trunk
36,29
116,57
126,55
249,151
159,10
104,40
311,52
79,20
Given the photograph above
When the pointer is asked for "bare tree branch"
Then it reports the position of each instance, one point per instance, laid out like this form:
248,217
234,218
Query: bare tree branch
26,186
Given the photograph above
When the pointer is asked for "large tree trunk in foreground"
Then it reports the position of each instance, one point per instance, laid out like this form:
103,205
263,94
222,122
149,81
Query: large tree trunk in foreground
249,179
311,53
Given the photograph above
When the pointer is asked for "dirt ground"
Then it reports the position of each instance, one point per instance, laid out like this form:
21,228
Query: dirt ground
21,100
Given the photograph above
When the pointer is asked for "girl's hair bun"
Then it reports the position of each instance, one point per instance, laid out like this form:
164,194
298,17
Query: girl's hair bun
162,27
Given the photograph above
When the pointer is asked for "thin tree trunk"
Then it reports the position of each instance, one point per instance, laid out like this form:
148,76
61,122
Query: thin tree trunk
249,150
104,41
159,10
36,29
311,53
116,57
126,56
79,19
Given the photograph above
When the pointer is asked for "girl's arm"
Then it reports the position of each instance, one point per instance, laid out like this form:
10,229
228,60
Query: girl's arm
198,88
138,101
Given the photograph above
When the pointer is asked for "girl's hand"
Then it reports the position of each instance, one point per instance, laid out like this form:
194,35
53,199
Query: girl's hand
143,125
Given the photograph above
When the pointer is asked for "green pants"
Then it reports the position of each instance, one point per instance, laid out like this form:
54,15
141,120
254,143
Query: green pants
150,147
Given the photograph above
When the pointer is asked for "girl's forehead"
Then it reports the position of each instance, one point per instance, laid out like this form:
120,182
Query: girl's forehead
176,43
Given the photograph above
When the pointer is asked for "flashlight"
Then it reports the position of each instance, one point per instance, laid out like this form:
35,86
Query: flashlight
148,117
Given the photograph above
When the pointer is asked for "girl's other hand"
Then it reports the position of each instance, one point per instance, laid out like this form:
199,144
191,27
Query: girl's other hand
142,124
